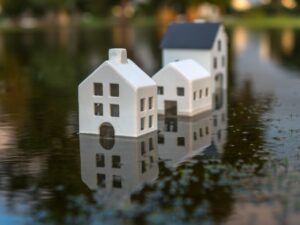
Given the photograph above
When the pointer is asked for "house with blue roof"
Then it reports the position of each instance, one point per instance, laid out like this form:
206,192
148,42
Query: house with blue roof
204,42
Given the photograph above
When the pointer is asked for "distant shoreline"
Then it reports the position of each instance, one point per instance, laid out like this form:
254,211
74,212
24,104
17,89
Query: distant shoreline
282,21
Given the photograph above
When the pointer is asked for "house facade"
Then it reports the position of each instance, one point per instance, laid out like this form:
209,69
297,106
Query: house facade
205,42
183,88
117,99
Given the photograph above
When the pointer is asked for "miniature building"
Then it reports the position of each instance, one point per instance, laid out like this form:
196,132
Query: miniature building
118,98
187,93
205,42
119,168
184,137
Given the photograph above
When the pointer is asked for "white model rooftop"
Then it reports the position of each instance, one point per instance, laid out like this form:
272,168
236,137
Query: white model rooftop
190,69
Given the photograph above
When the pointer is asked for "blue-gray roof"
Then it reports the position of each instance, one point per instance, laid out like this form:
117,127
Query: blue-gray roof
190,35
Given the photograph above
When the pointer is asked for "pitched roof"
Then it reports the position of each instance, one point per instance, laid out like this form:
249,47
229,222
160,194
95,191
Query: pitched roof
190,69
190,35
129,71
132,73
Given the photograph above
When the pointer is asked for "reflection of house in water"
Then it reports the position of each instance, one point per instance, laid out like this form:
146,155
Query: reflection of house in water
183,137
219,117
118,166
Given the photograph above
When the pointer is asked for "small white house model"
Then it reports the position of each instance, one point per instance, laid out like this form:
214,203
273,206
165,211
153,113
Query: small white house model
183,88
205,42
117,99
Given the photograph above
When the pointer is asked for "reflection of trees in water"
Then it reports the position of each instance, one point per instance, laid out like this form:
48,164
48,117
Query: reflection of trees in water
285,46
246,132
40,75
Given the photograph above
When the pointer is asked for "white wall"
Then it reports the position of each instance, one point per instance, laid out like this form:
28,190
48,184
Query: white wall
202,57
205,102
222,36
145,93
170,79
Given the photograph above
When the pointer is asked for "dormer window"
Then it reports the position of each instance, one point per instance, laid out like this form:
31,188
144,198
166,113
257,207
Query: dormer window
98,89
114,90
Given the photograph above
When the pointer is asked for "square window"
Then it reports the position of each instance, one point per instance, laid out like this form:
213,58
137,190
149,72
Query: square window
195,95
143,148
180,141
98,89
151,146
160,90
150,121
180,91
100,160
142,106
117,181
161,139
114,110
101,180
116,161
206,92
114,90
143,123
98,109
150,103
200,93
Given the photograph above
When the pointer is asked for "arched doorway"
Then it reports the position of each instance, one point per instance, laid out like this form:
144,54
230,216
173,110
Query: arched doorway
107,136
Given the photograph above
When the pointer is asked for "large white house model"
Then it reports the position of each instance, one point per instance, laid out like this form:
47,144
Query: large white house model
118,99
184,89
205,42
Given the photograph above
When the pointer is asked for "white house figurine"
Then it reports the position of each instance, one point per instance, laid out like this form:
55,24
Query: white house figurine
205,42
117,99
183,88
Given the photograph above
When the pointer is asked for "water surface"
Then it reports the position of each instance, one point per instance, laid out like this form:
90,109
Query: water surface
241,168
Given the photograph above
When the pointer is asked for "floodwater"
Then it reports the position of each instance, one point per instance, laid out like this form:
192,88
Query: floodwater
237,165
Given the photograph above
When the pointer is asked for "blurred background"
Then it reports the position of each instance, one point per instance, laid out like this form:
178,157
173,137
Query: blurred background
35,13
47,47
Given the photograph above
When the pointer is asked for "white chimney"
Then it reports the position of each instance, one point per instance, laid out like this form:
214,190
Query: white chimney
200,21
118,55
